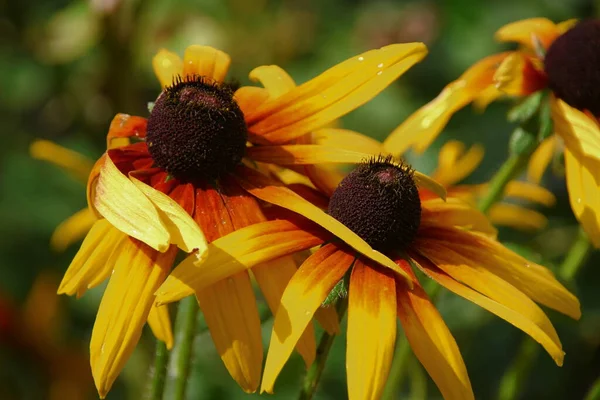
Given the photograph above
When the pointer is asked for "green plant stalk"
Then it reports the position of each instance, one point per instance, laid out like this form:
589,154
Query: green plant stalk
511,168
313,375
157,378
594,392
576,257
181,355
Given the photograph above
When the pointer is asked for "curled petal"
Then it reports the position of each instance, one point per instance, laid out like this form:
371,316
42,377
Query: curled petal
526,31
125,127
530,192
518,76
72,162
167,65
456,163
274,79
72,229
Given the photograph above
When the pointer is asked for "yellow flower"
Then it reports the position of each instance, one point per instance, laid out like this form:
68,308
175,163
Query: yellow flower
179,183
455,163
560,57
450,242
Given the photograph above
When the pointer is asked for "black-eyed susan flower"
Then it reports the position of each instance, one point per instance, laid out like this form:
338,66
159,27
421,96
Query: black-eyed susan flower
450,242
560,57
456,162
176,184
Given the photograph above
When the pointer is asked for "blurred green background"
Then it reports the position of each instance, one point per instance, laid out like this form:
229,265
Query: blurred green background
66,67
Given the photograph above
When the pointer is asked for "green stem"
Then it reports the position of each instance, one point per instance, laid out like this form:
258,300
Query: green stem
507,172
179,364
313,375
594,392
575,258
157,379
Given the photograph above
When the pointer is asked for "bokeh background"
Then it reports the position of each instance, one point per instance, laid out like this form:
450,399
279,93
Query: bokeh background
66,67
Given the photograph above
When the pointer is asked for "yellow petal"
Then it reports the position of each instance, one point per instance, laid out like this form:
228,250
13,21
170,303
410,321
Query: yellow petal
371,331
423,181
531,192
72,229
524,31
124,309
126,207
468,271
455,212
167,65
72,162
329,320
205,61
230,311
540,159
306,291
183,230
334,93
580,132
517,217
583,182
234,253
272,278
455,164
432,342
423,126
518,76
274,79
160,323
566,25
263,188
347,140
301,154
91,259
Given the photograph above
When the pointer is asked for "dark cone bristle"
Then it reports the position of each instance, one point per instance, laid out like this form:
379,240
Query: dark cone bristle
196,130
379,201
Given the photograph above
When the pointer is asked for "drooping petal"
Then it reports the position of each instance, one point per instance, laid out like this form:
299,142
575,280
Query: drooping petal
423,126
541,157
424,181
267,190
234,253
454,212
72,229
515,216
532,279
124,309
580,131
524,32
205,61
583,182
431,341
302,154
455,162
518,76
371,330
274,79
72,162
90,260
160,323
468,271
332,94
167,65
305,293
230,311
531,192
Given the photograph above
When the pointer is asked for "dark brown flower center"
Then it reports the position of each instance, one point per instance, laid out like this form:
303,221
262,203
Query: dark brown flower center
196,130
572,64
379,201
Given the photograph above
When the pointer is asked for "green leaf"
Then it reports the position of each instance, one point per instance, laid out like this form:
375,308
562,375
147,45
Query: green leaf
525,109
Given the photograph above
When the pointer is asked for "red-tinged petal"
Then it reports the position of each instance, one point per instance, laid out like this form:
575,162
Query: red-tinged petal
167,65
526,31
580,132
583,182
516,317
160,323
205,61
230,311
454,212
302,154
469,271
274,79
124,309
305,293
431,341
541,157
371,330
518,76
237,252
332,94
126,126
267,190
422,127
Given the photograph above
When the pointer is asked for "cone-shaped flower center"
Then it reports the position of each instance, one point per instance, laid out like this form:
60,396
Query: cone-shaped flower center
379,201
196,130
573,66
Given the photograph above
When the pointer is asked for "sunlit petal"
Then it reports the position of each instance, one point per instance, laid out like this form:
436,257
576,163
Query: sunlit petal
302,154
205,61
580,131
167,65
274,79
518,76
524,31
160,323
454,212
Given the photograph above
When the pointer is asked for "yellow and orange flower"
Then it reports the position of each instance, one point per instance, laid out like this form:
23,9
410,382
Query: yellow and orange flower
450,242
553,56
176,183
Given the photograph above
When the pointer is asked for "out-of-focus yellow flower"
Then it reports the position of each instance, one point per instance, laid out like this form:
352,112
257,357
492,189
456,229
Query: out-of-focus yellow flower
381,202
178,184
561,57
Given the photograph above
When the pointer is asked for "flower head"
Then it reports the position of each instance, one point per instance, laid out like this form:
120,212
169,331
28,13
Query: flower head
449,241
180,182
